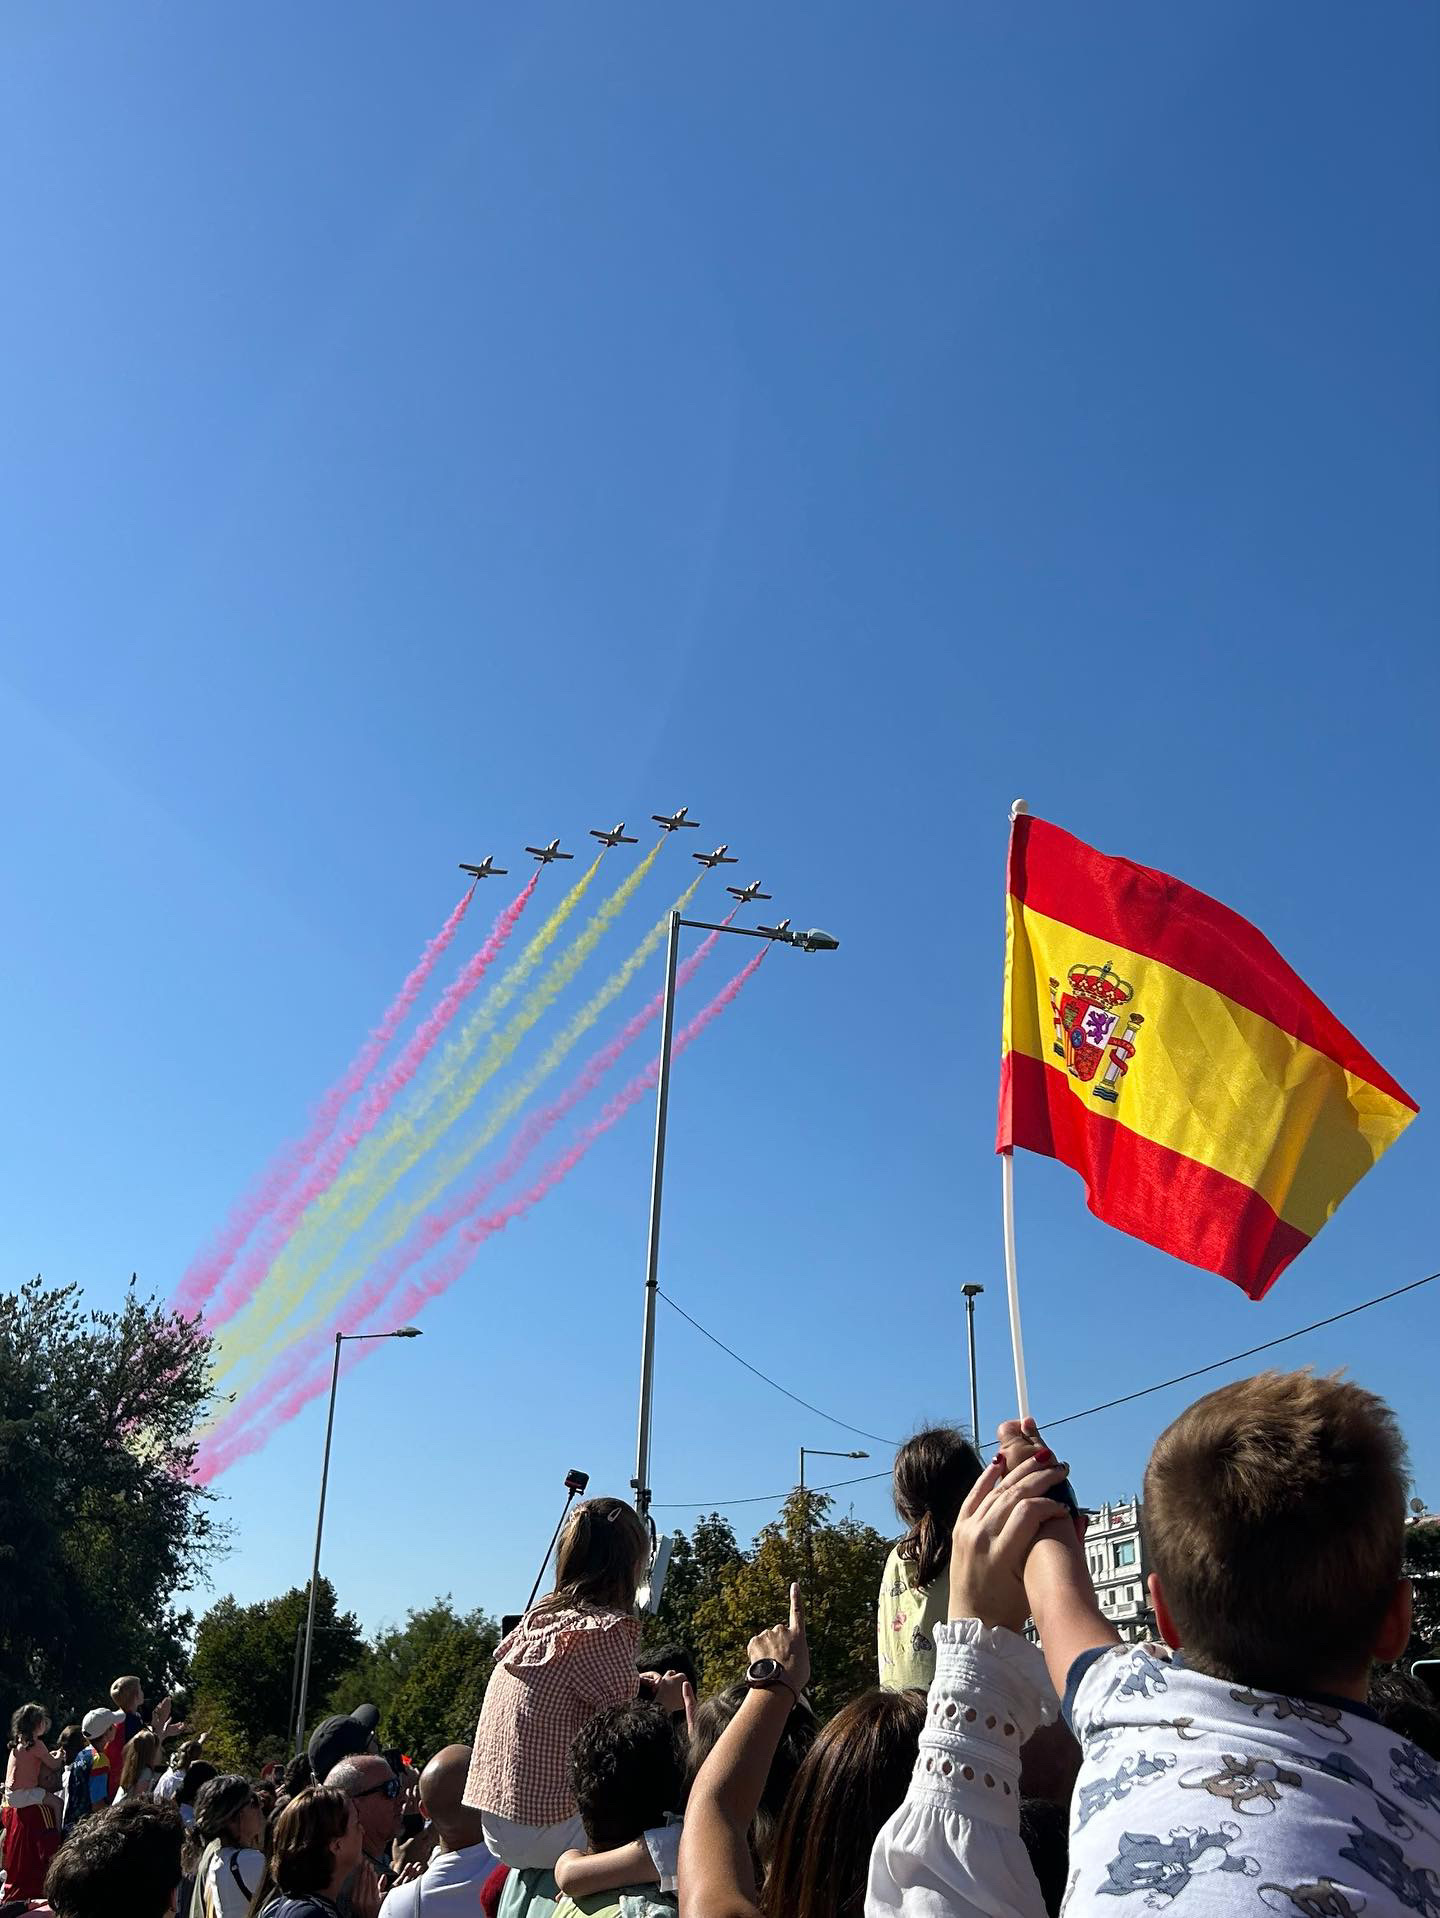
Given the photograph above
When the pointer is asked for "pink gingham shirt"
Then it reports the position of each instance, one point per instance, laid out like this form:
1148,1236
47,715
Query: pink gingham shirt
554,1672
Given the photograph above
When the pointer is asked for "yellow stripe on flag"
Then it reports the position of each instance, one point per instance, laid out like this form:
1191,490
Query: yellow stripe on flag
1209,1079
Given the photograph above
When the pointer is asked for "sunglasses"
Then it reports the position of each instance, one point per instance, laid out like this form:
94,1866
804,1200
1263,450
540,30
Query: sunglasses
391,1789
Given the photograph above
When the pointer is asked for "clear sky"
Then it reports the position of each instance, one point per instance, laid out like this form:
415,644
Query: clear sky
429,428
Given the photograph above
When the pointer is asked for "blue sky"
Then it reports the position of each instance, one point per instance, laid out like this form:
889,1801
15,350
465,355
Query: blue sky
428,430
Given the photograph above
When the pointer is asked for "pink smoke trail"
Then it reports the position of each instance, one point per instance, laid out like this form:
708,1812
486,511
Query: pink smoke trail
436,1225
448,1270
206,1272
243,1284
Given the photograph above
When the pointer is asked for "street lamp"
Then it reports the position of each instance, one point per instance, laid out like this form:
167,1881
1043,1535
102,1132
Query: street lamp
812,941
972,1292
816,1451
341,1338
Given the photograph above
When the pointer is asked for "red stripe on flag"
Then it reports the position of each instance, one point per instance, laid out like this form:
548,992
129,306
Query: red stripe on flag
1162,918
1185,1208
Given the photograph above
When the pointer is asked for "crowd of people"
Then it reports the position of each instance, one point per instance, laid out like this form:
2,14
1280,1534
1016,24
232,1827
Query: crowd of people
1015,1758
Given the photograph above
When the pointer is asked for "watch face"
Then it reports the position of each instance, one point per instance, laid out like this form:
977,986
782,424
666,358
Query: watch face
763,1671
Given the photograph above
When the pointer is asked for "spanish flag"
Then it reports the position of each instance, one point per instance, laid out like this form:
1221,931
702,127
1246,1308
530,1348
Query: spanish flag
1157,1043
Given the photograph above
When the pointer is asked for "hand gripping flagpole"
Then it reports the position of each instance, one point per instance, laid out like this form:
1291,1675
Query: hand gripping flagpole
1007,1204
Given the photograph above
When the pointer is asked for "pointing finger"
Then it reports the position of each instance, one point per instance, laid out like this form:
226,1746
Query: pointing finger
797,1610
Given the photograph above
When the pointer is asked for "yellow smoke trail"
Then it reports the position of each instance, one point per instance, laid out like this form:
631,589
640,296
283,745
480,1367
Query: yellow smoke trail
259,1314
368,1181
319,1305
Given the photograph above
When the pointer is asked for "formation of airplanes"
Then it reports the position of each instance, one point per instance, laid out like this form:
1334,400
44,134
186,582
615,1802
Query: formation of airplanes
617,836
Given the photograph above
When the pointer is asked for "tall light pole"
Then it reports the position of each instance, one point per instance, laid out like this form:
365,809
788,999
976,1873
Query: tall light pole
812,941
972,1292
341,1338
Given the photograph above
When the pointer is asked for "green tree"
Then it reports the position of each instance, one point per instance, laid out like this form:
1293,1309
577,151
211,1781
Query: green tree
1422,1568
243,1670
425,1677
737,1594
100,1518
697,1566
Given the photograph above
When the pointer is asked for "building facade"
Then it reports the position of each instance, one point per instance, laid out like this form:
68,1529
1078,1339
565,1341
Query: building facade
1115,1558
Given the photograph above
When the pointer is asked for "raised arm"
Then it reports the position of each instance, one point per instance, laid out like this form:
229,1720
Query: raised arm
717,1879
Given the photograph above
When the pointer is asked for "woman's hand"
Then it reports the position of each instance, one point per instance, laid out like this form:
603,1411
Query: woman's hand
993,1534
787,1645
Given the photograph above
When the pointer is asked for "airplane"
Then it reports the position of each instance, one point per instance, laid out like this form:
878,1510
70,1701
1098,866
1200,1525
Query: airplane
546,853
672,822
744,894
782,931
487,869
720,857
616,836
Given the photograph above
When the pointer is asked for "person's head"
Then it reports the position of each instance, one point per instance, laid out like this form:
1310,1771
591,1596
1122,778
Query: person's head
127,1694
28,1724
442,1795
228,1812
853,1777
626,1771
186,1754
317,1843
193,1779
1274,1515
72,1743
1045,1834
98,1725
375,1792
933,1473
711,1718
298,1774
344,1735
670,1658
265,1796
601,1559
142,1755
1404,1705
124,1858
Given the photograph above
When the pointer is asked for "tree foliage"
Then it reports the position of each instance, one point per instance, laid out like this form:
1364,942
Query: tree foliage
100,1519
243,1671
1422,1568
426,1677
724,1596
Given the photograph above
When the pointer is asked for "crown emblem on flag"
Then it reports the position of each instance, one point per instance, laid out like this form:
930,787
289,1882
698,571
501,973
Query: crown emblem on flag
1086,1020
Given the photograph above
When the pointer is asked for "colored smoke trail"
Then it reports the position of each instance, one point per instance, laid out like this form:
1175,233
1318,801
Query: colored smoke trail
262,1257
430,1226
441,1276
206,1272
296,1271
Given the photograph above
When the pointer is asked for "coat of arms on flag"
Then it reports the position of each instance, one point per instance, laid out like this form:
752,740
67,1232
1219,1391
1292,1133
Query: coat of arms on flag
1085,1020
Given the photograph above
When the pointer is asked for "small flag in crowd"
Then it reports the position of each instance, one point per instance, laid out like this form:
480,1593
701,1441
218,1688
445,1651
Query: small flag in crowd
1158,1044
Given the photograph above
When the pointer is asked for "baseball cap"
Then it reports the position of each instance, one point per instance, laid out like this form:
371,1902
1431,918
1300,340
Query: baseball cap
102,1720
341,1737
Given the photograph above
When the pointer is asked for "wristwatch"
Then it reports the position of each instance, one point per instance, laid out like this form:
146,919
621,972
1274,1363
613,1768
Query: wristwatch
766,1672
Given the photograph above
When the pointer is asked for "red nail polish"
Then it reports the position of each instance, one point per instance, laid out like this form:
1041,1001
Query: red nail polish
999,1459
1044,1456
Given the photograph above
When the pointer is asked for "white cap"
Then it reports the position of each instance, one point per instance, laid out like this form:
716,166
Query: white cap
102,1720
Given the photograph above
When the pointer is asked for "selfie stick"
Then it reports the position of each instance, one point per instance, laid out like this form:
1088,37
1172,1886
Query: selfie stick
575,1482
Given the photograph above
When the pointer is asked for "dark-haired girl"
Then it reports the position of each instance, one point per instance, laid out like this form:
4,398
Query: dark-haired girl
316,1846
933,1474
31,1813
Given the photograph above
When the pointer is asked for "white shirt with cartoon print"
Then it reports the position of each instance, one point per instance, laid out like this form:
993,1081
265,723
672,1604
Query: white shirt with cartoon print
1212,1797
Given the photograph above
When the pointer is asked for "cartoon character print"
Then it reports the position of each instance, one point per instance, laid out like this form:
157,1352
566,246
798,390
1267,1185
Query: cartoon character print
1320,1898
1416,1886
1163,1867
1342,1765
1138,1675
1326,1717
1415,1775
1138,1769
921,1641
1251,1785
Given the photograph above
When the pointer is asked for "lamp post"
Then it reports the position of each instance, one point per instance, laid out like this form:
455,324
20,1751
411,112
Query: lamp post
341,1338
812,941
816,1451
972,1292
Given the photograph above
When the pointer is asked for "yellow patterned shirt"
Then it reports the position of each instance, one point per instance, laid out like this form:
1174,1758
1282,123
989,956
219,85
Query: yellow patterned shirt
905,1626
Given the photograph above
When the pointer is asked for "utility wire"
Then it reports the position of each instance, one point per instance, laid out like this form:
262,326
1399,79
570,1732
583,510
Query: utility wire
1048,1425
795,1397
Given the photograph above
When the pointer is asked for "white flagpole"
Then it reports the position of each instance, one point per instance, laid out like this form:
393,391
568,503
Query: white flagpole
1007,1202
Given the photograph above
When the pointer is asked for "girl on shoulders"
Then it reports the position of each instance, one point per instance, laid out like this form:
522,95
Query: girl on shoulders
934,1472
31,1811
571,1656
